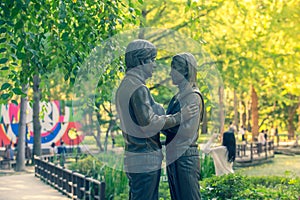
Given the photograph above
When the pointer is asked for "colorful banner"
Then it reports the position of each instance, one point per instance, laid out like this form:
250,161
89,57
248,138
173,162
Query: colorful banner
56,124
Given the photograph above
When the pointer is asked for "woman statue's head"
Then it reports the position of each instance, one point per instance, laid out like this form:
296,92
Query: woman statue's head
229,143
186,65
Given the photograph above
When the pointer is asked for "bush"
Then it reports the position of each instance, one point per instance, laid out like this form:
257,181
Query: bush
231,186
207,167
164,192
235,186
115,180
223,187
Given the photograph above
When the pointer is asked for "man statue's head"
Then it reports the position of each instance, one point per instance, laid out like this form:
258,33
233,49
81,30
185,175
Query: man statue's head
140,53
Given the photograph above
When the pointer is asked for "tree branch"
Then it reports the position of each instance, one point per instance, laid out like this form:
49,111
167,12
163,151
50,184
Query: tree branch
159,84
175,28
105,108
263,122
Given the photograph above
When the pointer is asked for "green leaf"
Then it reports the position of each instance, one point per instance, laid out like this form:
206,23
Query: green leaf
20,55
20,45
66,77
2,40
72,81
15,11
3,30
19,25
37,6
17,91
5,86
5,96
65,36
138,12
2,50
131,9
2,22
3,60
188,3
141,1
14,102
4,68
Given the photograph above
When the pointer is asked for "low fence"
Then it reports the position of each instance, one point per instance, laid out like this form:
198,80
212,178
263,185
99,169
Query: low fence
251,152
284,140
72,184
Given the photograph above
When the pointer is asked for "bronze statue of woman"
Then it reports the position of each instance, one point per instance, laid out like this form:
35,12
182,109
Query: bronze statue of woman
183,164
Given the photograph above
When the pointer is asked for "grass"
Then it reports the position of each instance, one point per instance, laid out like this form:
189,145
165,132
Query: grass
281,166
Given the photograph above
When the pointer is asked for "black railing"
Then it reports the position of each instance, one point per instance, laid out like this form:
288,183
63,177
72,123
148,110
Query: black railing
72,184
284,140
254,151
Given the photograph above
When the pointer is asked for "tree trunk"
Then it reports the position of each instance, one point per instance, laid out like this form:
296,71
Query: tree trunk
254,109
235,107
204,123
90,129
299,115
291,126
221,103
110,126
90,126
20,164
249,117
36,119
244,115
97,138
142,30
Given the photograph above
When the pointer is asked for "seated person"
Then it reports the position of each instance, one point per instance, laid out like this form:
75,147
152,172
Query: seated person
9,153
223,155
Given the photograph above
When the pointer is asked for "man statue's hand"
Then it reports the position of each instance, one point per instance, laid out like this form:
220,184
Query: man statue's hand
189,111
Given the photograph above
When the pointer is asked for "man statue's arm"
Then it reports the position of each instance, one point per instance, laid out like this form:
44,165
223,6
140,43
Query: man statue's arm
144,114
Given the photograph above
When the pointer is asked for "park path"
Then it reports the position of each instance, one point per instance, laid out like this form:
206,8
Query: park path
27,186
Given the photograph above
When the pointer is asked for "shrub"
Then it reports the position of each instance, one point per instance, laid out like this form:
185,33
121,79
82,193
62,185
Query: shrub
231,186
236,186
207,168
223,187
115,180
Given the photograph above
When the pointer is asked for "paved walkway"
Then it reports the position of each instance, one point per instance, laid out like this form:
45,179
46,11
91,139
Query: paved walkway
26,186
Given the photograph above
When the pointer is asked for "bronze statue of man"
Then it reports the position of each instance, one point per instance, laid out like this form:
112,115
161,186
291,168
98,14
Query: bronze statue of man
141,121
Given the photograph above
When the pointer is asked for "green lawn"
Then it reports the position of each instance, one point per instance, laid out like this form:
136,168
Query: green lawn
282,165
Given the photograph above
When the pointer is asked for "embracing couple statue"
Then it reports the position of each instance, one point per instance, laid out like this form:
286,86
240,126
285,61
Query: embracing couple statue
142,120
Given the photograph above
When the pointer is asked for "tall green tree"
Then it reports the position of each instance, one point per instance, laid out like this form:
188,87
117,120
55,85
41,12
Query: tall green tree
47,35
250,40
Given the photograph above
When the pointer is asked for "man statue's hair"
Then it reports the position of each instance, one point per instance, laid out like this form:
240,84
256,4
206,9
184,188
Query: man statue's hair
137,51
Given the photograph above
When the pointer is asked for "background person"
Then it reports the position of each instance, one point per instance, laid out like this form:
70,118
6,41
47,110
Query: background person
53,149
53,152
9,152
223,155
242,133
62,150
261,140
232,127
28,153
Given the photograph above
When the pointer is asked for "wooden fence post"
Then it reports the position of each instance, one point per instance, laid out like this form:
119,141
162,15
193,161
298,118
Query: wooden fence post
251,152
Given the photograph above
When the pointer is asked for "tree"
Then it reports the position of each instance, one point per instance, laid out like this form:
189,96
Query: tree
250,40
45,36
